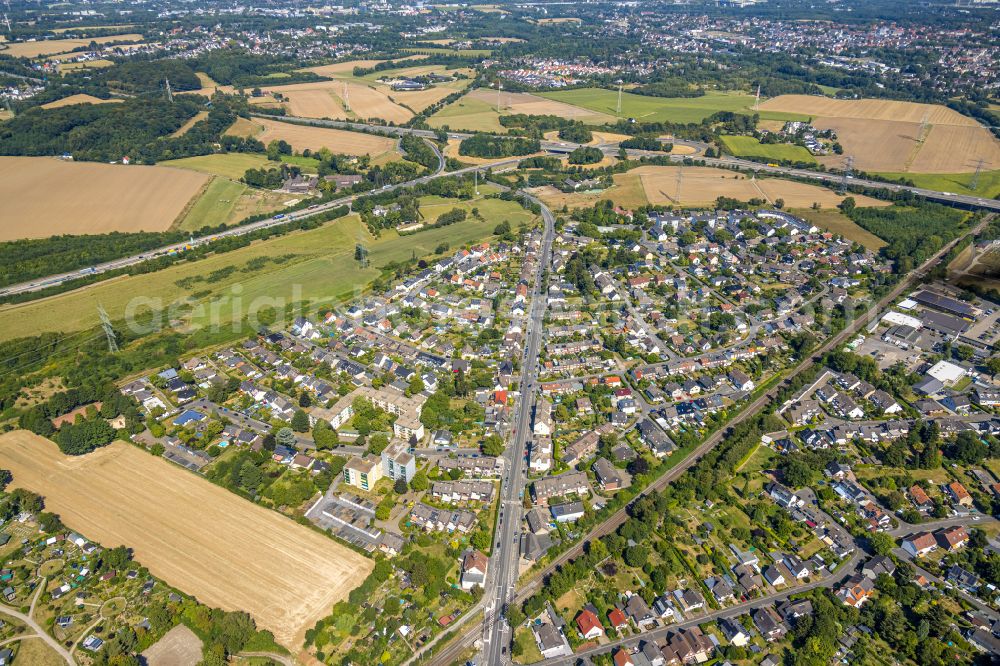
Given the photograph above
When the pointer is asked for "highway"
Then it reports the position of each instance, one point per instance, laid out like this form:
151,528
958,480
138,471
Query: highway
277,221
699,147
556,147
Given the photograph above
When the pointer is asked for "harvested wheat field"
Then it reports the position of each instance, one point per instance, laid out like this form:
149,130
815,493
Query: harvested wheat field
870,109
196,118
78,99
318,103
245,127
340,69
84,64
50,46
598,137
325,99
196,536
876,145
532,105
339,141
418,100
44,196
627,192
701,186
897,137
954,149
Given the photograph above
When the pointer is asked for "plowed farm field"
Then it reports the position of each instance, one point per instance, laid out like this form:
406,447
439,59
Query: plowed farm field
198,537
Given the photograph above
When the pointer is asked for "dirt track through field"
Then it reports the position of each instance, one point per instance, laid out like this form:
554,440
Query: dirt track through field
196,536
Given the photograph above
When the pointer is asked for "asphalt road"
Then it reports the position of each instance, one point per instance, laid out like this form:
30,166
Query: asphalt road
506,555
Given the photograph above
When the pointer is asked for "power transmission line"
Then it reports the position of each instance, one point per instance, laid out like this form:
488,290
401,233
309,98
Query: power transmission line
848,169
109,331
975,177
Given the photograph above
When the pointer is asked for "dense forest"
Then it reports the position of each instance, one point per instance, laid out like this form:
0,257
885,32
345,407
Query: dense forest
143,76
138,127
914,232
98,132
483,145
243,70
26,259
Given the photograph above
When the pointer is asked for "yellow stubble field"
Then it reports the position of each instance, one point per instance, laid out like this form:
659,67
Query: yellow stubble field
701,186
301,137
45,196
894,136
51,46
198,537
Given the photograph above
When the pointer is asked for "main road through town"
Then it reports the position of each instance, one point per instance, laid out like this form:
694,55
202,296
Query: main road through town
506,550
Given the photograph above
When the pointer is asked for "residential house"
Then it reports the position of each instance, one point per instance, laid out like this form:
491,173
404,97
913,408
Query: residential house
919,544
959,495
639,612
474,566
589,625
856,590
768,624
952,538
734,631
687,646
610,477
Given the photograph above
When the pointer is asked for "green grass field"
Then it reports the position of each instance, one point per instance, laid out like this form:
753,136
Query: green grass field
432,207
314,267
663,109
989,182
307,164
215,205
226,201
747,146
470,114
